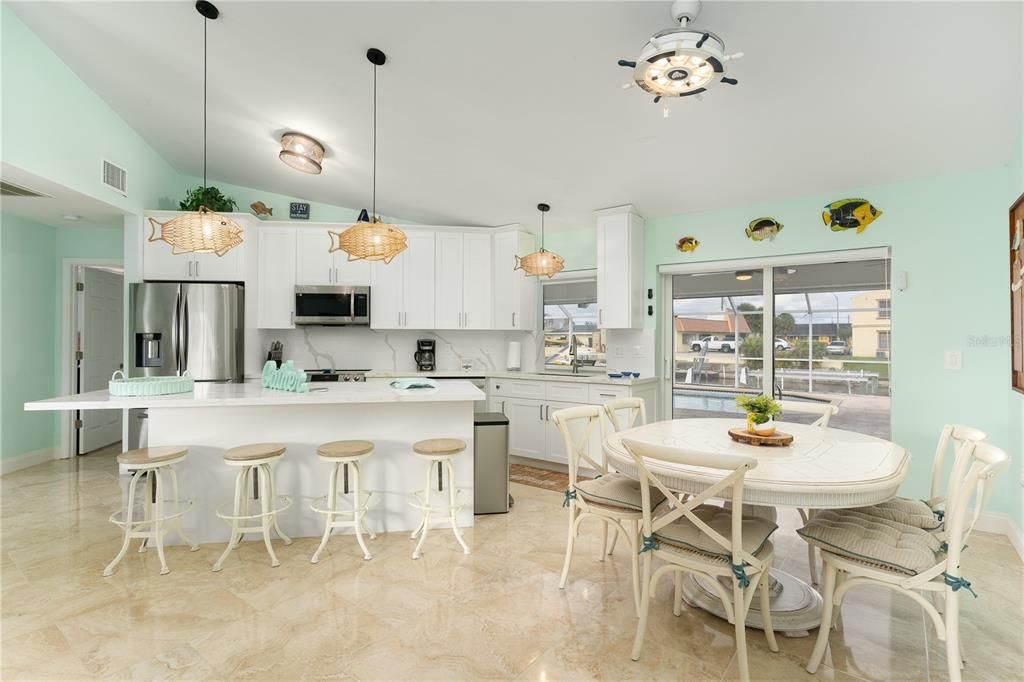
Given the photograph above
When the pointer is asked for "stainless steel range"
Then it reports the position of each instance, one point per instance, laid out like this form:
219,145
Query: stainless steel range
339,375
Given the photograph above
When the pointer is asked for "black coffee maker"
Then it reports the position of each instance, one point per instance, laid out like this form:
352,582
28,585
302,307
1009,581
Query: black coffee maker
424,355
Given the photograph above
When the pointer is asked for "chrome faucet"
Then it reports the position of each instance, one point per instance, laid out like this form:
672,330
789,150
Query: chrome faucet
573,347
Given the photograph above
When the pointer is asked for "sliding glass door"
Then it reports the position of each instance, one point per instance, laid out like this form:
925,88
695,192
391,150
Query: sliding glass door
825,329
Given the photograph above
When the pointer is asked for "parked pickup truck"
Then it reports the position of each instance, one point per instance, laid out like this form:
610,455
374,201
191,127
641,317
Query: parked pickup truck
726,344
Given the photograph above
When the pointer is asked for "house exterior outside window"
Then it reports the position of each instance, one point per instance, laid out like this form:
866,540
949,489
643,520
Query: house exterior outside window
868,322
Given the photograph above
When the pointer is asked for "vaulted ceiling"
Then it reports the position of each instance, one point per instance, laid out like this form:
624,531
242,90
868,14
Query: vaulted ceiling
487,108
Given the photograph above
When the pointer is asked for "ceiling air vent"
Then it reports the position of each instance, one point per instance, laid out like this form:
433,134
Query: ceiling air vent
9,189
115,177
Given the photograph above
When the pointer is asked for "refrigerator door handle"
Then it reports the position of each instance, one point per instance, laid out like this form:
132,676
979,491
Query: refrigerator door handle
176,331
184,334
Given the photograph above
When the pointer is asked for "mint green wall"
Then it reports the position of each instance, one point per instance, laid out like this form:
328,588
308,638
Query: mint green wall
54,126
577,246
949,234
31,259
27,293
244,196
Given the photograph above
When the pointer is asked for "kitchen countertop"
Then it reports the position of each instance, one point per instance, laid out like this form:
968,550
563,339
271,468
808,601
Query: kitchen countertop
532,376
252,393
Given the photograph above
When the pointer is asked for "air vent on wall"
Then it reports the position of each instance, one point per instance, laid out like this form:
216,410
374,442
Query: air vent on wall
8,189
115,177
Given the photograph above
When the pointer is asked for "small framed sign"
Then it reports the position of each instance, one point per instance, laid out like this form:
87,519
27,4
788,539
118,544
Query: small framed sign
298,210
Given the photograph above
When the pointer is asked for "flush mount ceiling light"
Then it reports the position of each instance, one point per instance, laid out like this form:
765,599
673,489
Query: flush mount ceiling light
745,275
370,238
202,231
302,153
683,61
543,262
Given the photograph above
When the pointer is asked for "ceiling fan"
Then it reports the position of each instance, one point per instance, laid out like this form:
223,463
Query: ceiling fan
681,61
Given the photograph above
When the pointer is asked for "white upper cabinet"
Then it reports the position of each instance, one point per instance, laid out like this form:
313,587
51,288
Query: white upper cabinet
515,294
402,291
316,265
160,263
275,285
620,268
463,281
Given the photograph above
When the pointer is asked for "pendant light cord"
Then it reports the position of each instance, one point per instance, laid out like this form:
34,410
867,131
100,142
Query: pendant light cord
205,22
542,230
373,186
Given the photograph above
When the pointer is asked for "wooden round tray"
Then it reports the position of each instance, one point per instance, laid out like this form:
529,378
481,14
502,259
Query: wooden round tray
777,439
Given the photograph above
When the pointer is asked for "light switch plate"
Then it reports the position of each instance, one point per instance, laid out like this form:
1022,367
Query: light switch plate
953,359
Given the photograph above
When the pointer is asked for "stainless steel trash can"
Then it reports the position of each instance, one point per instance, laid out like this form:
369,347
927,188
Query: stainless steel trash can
490,463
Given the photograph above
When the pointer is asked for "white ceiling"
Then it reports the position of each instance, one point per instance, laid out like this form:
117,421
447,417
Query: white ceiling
487,108
59,201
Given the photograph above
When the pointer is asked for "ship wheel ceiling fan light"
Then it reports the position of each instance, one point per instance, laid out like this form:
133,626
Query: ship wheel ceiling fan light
682,61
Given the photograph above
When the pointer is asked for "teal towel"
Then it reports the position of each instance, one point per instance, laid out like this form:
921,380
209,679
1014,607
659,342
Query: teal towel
403,384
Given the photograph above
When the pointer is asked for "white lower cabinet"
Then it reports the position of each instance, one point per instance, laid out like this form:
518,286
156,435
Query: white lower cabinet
530,403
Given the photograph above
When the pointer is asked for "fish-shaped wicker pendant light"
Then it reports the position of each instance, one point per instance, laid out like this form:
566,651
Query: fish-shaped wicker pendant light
370,238
543,262
203,231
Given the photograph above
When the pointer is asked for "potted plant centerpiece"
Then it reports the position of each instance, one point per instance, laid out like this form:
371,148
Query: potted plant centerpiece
761,410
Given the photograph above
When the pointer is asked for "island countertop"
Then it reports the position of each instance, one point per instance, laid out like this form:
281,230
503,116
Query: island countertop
252,393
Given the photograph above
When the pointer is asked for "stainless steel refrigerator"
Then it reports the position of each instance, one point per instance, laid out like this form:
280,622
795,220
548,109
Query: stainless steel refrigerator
179,327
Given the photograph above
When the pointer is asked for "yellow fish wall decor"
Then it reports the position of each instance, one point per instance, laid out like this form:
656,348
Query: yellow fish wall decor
687,244
201,232
847,214
763,228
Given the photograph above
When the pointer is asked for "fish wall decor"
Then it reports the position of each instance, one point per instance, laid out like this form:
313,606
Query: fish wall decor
763,228
847,214
687,244
260,209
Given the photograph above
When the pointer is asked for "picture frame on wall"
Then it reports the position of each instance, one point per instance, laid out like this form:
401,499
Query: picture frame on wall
1017,294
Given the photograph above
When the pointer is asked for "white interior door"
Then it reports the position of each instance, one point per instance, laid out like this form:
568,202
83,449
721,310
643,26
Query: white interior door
100,342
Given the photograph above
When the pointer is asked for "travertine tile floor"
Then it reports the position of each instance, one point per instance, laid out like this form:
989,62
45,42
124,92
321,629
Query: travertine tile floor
497,613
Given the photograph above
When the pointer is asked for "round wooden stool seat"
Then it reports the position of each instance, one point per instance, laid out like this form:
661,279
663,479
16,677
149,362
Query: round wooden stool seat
343,449
150,456
253,451
438,447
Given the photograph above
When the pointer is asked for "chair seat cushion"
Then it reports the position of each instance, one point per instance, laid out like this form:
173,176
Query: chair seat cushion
903,510
616,490
874,540
683,533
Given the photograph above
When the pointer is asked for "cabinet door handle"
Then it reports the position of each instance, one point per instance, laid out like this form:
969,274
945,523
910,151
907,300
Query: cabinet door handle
190,268
399,318
600,315
197,268
513,320
607,395
503,407
293,318
336,276
541,412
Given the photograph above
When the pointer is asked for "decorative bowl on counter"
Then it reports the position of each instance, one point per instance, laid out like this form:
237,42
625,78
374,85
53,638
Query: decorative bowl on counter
135,387
614,375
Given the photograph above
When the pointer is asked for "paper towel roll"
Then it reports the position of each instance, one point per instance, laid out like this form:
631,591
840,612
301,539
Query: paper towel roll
514,358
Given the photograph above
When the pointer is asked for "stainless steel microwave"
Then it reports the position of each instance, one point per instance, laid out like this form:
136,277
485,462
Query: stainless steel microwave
332,305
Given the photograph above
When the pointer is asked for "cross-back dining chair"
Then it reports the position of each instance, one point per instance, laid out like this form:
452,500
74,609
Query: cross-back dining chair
625,413
612,498
704,540
868,550
825,412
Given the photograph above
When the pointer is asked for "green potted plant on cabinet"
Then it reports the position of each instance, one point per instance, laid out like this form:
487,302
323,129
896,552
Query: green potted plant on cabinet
210,197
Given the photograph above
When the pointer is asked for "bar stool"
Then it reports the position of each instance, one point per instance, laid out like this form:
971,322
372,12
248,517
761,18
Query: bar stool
344,454
150,464
439,451
254,464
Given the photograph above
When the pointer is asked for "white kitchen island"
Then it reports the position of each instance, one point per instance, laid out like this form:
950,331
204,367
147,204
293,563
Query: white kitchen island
219,416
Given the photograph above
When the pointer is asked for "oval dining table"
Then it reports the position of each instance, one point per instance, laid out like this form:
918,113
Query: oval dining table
823,468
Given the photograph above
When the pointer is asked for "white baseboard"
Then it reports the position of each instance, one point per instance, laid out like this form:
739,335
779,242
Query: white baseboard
1002,524
29,459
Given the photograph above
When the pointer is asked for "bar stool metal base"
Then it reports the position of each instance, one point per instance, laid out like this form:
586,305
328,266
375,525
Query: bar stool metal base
354,515
421,501
260,472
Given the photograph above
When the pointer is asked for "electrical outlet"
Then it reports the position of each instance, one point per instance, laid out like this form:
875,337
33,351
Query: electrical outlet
618,352
953,359
638,351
